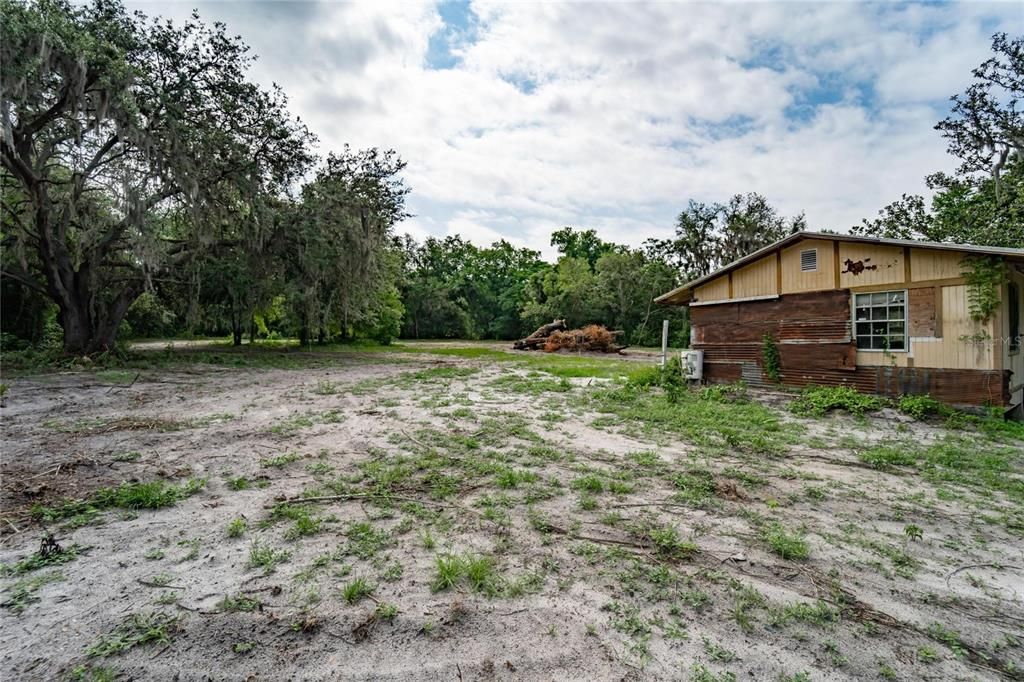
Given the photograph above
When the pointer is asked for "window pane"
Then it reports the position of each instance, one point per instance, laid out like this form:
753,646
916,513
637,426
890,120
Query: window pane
863,313
862,299
878,342
878,313
879,328
896,342
895,312
863,329
896,297
896,328
879,299
863,342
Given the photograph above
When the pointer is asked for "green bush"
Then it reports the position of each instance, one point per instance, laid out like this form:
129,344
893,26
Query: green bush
817,400
921,406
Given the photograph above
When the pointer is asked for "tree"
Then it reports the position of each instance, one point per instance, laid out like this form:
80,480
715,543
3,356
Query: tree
583,244
694,250
983,211
984,202
566,291
337,244
111,122
710,235
748,223
985,129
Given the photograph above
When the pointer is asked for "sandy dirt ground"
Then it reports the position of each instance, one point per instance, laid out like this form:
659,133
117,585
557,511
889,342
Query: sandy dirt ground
422,517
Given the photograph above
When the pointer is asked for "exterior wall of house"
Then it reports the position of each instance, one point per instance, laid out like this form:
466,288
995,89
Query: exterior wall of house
757,279
796,281
928,265
715,290
812,334
864,265
810,314
1012,360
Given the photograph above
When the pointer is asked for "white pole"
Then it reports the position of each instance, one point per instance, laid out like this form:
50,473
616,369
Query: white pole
664,344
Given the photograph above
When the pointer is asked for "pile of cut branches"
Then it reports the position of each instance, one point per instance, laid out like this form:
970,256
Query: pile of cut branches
555,337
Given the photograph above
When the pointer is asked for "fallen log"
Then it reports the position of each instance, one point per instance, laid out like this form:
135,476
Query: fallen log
537,338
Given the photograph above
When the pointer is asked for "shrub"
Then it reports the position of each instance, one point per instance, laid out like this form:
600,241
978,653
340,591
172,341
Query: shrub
921,406
817,400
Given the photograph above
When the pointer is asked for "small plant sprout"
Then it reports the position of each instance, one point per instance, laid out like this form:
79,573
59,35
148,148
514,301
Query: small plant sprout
913,532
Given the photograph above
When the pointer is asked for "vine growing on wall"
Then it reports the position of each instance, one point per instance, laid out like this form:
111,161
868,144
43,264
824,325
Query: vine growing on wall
985,275
771,359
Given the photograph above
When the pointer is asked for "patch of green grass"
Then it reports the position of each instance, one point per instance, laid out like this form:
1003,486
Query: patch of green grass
325,387
236,528
818,613
140,628
640,412
669,544
817,400
281,460
23,592
291,425
305,524
36,561
888,454
86,673
356,590
717,652
700,673
786,544
364,540
132,456
239,602
921,406
266,557
696,488
478,571
506,477
152,495
951,638
240,483
590,483
534,383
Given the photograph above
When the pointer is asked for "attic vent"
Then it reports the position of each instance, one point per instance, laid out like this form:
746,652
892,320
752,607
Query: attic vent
809,260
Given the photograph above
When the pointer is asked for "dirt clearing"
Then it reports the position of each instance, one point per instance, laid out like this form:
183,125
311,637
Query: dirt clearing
431,516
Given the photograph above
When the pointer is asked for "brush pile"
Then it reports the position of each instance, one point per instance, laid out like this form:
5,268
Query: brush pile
555,337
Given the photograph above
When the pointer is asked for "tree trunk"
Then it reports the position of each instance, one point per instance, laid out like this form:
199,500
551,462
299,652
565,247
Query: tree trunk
85,334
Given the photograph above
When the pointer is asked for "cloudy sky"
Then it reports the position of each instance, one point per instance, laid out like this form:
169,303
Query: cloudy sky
519,118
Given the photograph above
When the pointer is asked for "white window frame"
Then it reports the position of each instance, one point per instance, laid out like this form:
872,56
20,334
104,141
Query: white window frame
905,320
802,252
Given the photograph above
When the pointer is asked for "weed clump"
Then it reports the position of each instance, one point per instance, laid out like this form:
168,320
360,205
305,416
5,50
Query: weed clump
152,495
786,544
817,400
140,628
478,571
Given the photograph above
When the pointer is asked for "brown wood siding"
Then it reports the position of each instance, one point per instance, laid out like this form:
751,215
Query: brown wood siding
812,334
922,312
819,316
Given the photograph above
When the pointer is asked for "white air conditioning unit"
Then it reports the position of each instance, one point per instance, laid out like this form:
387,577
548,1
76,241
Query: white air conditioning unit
692,362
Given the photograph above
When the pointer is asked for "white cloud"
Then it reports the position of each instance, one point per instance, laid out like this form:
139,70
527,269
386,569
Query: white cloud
614,115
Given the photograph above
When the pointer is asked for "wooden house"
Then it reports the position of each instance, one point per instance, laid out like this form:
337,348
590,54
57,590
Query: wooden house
884,316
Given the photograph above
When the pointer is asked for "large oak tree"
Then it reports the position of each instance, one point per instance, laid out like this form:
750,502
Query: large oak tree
128,145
